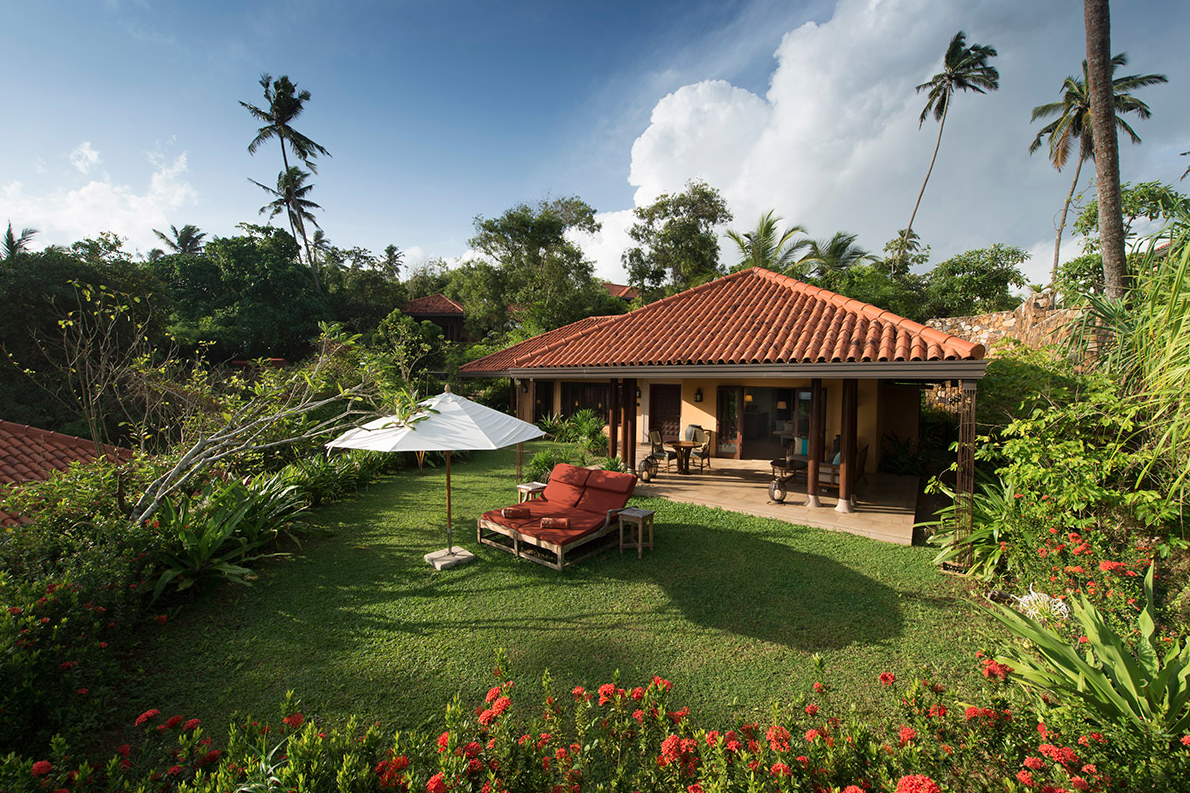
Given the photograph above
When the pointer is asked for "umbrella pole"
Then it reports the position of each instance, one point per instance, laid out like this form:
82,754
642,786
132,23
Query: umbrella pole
449,542
520,455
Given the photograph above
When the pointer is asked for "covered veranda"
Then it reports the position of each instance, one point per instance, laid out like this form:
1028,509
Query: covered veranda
698,357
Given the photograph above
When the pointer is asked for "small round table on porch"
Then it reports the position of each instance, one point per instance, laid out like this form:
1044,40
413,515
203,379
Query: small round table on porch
683,448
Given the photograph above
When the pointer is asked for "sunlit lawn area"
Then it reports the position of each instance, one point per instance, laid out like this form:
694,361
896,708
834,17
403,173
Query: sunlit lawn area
729,607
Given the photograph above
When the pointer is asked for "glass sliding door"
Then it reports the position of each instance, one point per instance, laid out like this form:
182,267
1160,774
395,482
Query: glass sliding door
729,430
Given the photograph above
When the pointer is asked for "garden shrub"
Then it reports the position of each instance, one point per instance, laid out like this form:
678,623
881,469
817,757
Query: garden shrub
541,464
624,738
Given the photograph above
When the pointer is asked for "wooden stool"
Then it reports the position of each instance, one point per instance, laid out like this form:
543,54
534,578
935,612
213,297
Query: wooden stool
527,491
637,519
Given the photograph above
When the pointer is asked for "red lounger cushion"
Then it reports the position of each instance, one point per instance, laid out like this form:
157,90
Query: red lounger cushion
606,490
538,509
555,522
566,484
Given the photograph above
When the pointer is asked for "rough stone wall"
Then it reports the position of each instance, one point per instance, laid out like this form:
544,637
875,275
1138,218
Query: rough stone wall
1034,323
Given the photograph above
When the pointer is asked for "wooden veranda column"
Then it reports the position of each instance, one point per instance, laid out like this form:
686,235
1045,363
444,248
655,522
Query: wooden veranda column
847,472
613,414
815,442
630,423
531,413
514,402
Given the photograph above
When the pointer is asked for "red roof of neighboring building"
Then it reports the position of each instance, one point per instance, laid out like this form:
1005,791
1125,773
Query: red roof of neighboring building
620,290
28,454
433,304
751,317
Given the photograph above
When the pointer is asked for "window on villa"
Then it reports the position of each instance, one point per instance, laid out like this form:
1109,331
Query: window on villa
581,396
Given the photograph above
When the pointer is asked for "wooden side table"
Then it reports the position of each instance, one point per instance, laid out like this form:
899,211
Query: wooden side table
636,520
527,491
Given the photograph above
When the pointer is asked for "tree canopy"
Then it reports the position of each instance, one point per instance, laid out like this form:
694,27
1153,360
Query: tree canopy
677,245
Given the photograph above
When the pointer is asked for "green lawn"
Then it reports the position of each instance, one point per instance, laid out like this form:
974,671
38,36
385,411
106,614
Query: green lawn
729,607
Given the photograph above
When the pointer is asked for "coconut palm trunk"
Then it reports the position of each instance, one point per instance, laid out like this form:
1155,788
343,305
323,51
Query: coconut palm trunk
1097,18
1078,169
930,170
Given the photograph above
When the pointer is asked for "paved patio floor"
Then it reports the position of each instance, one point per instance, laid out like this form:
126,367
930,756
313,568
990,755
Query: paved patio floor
885,508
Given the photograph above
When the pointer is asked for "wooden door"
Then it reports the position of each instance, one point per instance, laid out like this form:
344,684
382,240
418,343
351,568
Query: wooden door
665,411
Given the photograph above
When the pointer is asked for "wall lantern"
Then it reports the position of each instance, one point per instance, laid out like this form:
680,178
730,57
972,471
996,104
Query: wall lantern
698,395
638,393
781,405
748,398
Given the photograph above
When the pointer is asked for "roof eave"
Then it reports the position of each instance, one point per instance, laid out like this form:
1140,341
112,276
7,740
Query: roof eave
931,371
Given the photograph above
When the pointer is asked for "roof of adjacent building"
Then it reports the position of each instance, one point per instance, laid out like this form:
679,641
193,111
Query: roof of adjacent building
28,454
433,305
751,317
621,290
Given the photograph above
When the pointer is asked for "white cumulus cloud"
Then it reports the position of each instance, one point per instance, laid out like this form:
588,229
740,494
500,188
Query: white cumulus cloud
64,216
84,157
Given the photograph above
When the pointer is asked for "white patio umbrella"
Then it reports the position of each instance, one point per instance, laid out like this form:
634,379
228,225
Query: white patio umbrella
446,423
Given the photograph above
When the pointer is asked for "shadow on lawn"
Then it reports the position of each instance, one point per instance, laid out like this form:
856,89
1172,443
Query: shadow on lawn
739,583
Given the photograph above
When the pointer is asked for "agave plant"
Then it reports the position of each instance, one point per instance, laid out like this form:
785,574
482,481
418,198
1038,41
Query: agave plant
1148,692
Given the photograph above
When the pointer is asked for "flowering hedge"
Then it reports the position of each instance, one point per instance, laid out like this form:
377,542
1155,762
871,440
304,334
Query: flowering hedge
619,738
74,586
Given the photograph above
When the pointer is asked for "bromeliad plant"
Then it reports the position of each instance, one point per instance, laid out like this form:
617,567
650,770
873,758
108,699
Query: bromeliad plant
226,527
1148,692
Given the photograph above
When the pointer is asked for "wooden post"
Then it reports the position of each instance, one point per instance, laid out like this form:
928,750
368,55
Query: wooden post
449,529
520,457
531,413
816,428
965,484
625,398
630,421
514,402
847,472
613,411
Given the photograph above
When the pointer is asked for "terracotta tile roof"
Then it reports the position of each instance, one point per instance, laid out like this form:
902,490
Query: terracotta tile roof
620,290
751,317
433,304
27,454
500,361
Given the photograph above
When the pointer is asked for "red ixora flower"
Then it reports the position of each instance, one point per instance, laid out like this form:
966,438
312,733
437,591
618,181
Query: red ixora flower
887,679
170,723
907,735
294,720
992,669
14,611
854,789
437,784
780,769
811,710
190,725
917,783
778,738
148,715
1186,740
42,767
161,619
819,688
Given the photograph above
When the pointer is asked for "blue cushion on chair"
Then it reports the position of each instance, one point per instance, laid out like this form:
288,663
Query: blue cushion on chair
805,446
838,457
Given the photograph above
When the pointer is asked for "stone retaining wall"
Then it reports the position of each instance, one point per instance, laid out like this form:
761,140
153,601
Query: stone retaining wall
1034,323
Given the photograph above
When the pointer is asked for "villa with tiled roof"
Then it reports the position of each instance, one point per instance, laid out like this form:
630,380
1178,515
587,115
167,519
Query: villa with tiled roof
757,358
442,311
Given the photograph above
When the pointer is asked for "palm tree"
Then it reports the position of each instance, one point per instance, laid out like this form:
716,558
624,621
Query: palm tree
963,68
827,258
764,248
14,246
1073,123
393,257
285,103
1097,20
290,197
186,240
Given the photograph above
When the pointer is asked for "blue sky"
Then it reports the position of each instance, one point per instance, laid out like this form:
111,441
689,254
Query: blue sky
126,114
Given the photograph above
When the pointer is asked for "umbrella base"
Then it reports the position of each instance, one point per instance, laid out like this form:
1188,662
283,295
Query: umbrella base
447,558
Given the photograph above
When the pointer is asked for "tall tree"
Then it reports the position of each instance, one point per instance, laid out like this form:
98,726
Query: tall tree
963,69
767,248
285,103
676,239
901,253
290,197
1073,127
13,245
826,259
186,240
1097,20
549,280
392,260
